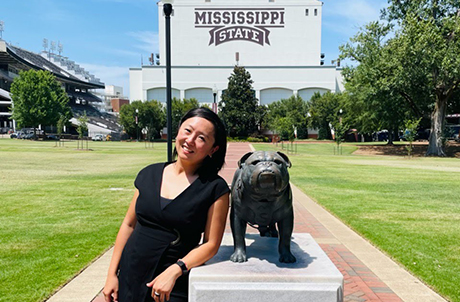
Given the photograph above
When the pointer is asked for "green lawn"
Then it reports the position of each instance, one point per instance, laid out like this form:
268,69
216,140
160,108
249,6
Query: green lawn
60,209
409,208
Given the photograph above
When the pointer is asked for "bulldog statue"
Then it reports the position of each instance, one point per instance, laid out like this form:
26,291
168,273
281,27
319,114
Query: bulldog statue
262,197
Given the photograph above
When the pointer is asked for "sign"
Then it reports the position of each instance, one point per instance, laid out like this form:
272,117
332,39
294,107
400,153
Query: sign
239,24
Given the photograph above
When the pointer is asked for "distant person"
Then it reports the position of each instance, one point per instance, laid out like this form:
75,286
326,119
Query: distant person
175,202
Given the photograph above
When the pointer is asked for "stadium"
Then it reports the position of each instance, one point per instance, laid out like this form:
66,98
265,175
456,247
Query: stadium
278,42
78,83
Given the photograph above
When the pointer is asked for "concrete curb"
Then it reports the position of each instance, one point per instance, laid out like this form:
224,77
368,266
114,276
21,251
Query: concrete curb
87,285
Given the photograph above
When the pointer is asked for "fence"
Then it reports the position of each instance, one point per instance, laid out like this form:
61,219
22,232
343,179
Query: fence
289,147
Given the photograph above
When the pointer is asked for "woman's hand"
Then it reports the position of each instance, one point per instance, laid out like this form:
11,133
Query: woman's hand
110,290
164,283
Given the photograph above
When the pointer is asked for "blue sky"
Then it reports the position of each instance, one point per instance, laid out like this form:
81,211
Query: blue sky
107,37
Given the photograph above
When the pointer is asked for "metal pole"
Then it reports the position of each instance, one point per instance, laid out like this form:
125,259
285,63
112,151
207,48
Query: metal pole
167,9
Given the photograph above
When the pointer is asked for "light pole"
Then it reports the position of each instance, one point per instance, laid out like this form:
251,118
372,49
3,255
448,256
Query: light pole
137,123
167,10
214,105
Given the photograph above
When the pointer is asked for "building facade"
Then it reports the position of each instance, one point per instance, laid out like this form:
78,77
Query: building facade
277,41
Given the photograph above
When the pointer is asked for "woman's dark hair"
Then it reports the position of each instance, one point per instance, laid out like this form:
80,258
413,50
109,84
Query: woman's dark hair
210,164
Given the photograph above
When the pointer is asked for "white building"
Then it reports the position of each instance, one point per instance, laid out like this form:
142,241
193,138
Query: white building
277,41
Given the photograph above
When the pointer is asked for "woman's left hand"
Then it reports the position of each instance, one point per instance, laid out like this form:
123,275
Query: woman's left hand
163,284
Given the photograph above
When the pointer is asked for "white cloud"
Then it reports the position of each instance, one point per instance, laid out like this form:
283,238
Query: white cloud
110,75
144,42
147,41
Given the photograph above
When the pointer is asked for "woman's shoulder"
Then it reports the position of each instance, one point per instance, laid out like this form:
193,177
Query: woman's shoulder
148,173
216,182
212,178
153,167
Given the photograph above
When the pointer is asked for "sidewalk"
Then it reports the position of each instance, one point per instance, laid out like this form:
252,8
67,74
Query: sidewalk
369,275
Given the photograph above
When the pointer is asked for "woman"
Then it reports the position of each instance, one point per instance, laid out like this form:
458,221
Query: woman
158,241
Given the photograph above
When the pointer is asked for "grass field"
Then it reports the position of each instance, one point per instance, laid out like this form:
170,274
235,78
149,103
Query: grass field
60,209
409,208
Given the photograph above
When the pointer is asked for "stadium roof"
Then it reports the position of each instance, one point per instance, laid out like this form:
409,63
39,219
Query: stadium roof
22,59
4,95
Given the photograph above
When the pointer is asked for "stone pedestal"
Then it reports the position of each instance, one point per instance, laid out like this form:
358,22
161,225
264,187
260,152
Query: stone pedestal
313,278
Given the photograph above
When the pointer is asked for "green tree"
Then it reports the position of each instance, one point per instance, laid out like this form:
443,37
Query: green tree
410,134
239,106
179,108
82,129
150,116
324,112
128,118
421,62
287,115
60,126
371,101
38,99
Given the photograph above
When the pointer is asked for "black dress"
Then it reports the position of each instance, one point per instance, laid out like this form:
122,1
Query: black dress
162,236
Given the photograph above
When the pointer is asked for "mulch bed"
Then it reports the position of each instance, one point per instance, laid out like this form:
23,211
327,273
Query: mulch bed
452,150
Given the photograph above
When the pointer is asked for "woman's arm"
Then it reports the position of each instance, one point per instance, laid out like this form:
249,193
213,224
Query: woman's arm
129,222
214,231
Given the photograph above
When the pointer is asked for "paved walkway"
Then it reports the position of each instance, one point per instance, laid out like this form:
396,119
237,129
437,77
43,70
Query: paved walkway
369,275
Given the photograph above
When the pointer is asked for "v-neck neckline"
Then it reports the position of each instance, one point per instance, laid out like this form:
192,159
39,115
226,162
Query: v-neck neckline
180,194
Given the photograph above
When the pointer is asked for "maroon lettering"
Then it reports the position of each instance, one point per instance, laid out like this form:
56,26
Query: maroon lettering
233,17
226,18
200,17
238,33
241,16
230,32
217,17
227,34
250,18
230,24
265,17
275,16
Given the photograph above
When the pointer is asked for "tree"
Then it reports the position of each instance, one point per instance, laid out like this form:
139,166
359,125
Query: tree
371,101
340,129
410,134
421,55
82,129
287,115
324,112
128,118
238,106
179,108
60,126
150,116
435,42
38,99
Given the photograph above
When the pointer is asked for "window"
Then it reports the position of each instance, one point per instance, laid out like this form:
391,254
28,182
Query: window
306,12
316,12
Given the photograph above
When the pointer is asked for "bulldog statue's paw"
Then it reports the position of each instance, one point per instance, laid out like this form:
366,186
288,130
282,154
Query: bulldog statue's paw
287,257
238,256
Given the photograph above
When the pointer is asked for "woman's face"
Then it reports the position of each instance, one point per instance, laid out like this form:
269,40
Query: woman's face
195,140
